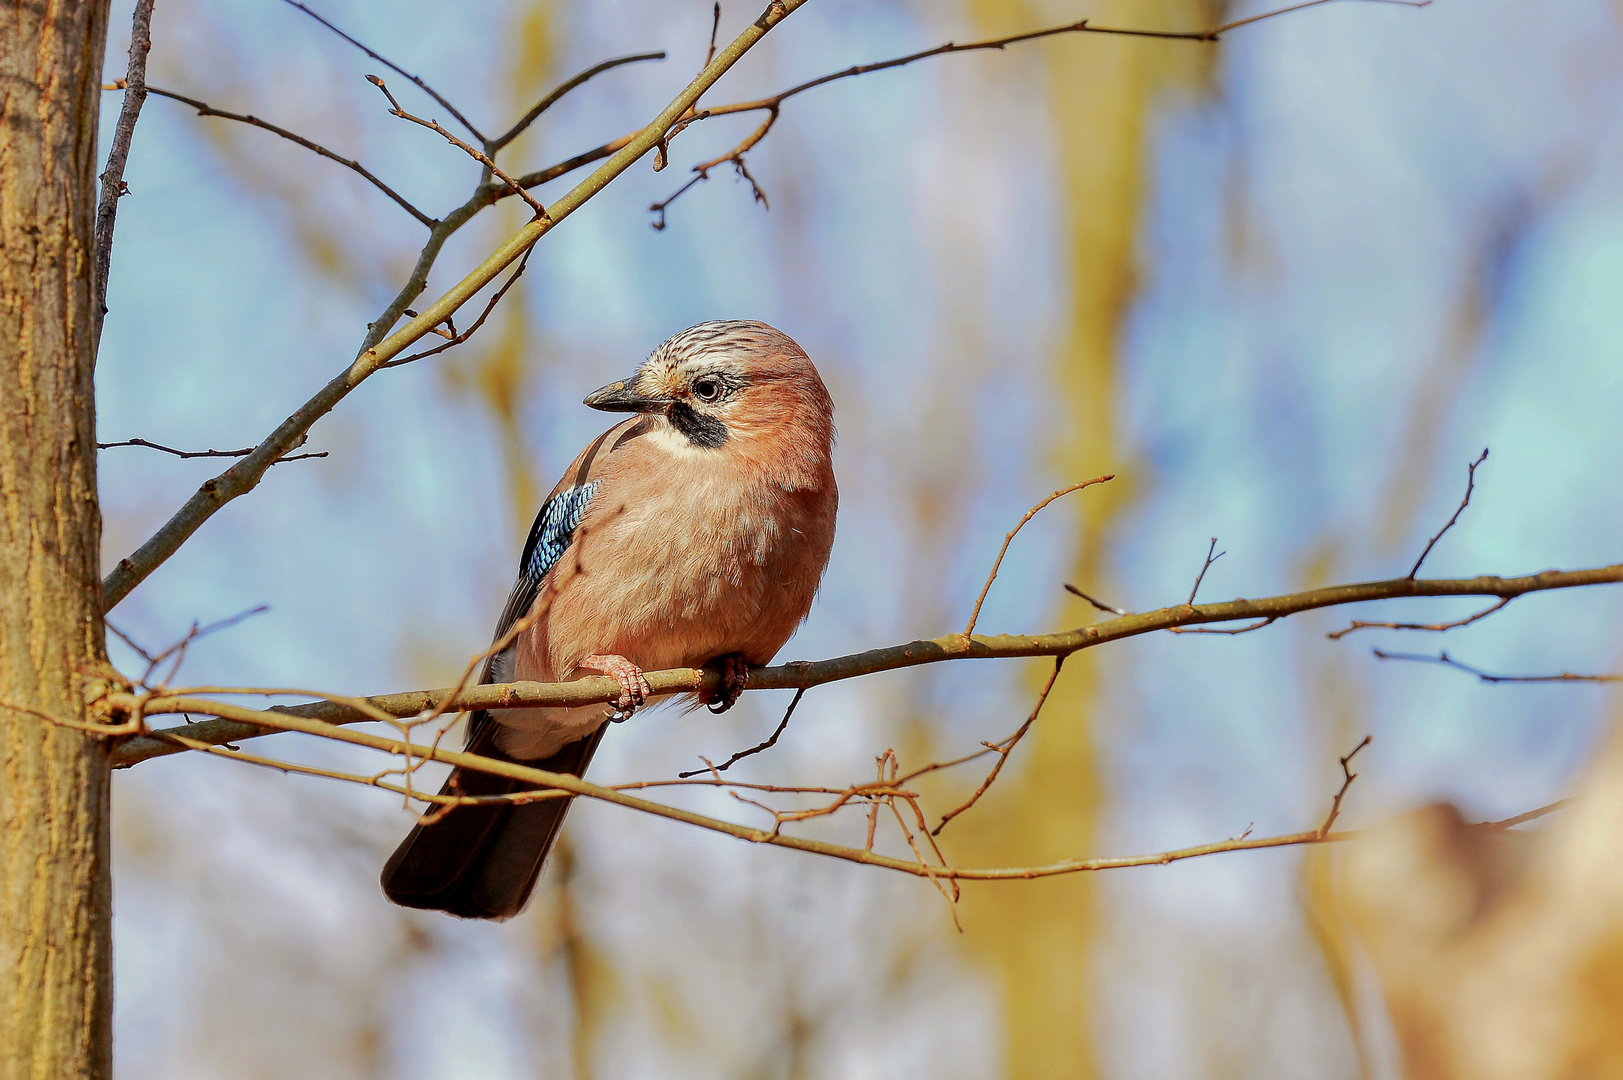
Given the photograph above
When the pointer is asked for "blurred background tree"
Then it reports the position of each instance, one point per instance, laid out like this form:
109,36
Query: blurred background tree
1285,286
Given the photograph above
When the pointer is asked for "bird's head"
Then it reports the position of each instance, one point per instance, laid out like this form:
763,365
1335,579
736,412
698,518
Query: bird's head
739,386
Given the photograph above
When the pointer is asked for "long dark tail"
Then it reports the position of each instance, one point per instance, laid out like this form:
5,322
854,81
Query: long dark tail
480,862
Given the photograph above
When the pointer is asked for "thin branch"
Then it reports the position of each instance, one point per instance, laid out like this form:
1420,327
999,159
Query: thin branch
1348,776
112,178
756,749
381,346
1448,661
1207,565
552,98
715,27
1470,485
473,152
396,68
1308,4
1435,628
1099,604
1258,625
1009,538
1003,750
203,453
912,654
205,109
456,339
1531,815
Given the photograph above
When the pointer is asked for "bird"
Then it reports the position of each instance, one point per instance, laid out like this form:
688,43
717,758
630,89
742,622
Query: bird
693,533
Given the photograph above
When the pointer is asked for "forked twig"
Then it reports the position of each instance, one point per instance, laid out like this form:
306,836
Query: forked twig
1348,776
1207,565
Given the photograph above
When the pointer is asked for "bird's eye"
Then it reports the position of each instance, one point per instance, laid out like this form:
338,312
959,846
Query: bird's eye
707,389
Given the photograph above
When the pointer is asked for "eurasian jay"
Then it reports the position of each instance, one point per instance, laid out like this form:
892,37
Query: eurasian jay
695,532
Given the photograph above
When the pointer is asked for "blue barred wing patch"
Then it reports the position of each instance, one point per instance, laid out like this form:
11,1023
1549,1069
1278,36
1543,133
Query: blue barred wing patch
554,528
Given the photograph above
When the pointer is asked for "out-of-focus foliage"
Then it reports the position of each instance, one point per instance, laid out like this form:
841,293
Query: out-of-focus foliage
1285,287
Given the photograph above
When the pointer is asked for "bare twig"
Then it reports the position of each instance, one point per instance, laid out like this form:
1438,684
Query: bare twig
453,339
1003,749
380,345
203,453
1531,815
1258,625
1448,661
394,67
553,97
715,27
205,109
769,743
1207,565
912,654
467,148
178,649
1099,604
1435,628
1009,538
112,178
1348,776
1470,485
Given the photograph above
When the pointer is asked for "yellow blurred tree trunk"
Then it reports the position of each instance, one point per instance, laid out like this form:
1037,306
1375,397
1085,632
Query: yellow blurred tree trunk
1037,936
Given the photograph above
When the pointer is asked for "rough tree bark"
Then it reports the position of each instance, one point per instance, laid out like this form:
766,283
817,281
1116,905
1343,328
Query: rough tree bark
55,888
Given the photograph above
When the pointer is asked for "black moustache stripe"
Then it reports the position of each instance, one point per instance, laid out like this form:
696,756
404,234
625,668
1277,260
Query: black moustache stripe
700,429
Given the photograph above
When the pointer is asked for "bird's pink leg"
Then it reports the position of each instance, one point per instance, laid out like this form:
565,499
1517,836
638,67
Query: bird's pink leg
735,676
634,689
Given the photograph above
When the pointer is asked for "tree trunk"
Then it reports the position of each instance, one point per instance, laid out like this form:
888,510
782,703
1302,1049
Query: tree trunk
55,888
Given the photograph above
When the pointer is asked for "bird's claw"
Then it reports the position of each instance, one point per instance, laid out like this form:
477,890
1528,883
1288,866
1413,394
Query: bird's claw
634,688
735,676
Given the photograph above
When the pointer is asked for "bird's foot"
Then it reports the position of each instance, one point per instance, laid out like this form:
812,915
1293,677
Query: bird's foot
735,676
634,688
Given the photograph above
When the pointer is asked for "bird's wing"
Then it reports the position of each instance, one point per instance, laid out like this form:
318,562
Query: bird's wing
550,536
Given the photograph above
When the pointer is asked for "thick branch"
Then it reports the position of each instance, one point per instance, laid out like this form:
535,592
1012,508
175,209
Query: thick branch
802,674
246,474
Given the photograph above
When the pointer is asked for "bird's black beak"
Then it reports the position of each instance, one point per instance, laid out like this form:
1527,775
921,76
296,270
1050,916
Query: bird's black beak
619,397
